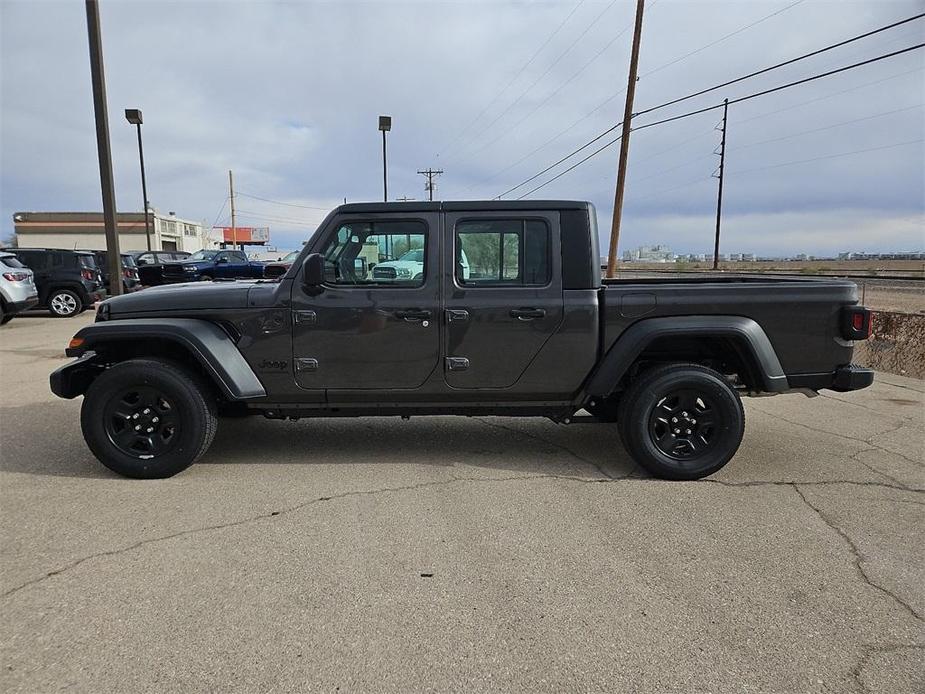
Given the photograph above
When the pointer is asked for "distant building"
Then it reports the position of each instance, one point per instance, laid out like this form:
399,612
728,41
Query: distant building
649,254
86,230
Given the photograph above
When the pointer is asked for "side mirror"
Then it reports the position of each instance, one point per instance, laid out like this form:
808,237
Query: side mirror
313,270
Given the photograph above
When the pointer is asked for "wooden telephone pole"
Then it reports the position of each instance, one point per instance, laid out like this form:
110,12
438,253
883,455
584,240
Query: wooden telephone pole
234,230
719,195
625,144
429,186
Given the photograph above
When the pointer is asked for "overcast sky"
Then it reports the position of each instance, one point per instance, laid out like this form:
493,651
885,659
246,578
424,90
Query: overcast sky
287,95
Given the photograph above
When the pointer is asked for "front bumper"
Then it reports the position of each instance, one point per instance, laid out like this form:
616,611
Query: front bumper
74,378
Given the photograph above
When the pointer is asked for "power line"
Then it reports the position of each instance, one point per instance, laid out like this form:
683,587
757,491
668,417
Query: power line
558,89
619,93
271,217
719,40
783,86
513,80
827,156
567,156
731,101
780,65
827,127
549,69
739,79
218,216
571,168
280,202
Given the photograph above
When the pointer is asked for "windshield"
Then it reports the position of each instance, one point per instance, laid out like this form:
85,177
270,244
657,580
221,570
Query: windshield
290,257
203,255
415,256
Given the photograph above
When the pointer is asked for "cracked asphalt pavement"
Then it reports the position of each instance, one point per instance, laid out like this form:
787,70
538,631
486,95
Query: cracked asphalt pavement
455,554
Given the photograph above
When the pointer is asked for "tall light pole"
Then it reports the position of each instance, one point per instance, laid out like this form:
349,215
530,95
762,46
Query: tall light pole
385,124
103,148
133,116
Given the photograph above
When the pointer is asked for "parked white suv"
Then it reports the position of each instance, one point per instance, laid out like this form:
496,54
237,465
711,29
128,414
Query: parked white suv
17,287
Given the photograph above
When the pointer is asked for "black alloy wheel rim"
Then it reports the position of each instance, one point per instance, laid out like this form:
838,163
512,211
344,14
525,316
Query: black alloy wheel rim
683,424
142,422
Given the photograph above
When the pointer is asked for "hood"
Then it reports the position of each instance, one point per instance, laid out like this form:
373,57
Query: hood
183,296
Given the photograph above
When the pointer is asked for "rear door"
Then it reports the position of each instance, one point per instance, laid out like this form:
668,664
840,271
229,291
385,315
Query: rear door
363,331
503,294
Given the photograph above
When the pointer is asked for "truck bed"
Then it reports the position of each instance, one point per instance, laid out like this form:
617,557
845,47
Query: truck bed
799,314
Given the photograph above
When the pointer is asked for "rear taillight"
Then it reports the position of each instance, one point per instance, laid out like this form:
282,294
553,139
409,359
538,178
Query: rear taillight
16,276
855,323
88,275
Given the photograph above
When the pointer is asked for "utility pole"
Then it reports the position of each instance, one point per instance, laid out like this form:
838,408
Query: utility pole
103,148
234,230
719,196
625,143
404,198
429,186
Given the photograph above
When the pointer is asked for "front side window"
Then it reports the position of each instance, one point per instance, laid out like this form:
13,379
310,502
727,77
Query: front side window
502,251
377,253
203,255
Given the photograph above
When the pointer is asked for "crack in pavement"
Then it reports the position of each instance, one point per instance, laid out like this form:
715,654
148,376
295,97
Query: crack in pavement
561,447
855,457
872,648
436,483
858,558
867,408
868,440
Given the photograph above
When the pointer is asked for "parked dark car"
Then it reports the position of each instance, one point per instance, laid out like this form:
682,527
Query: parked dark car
68,282
278,268
524,327
150,265
210,265
130,280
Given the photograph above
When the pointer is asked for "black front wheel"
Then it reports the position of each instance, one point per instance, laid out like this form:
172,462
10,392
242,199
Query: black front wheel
682,421
148,418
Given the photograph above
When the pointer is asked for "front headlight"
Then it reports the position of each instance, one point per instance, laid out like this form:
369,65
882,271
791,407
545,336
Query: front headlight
189,268
403,272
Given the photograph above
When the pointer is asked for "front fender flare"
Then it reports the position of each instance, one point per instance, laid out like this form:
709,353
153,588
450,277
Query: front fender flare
205,341
633,341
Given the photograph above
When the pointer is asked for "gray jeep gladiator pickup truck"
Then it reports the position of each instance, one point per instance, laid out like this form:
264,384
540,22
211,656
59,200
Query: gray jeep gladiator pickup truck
507,315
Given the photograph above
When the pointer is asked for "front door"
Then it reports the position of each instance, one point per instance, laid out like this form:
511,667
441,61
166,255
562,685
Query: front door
503,294
231,264
374,324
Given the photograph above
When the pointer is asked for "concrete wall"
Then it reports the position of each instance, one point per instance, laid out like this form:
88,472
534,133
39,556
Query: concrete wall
896,345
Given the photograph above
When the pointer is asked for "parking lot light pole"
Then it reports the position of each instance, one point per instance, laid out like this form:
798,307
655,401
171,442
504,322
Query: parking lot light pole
385,124
133,116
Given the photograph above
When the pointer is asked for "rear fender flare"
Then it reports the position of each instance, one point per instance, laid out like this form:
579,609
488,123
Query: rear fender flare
634,340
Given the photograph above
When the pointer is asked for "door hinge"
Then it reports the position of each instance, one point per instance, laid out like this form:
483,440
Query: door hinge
305,317
303,364
457,363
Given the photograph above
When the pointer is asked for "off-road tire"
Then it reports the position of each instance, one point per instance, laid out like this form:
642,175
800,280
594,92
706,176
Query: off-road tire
192,410
707,448
64,303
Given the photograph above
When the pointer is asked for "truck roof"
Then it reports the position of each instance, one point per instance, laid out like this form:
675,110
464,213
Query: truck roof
464,205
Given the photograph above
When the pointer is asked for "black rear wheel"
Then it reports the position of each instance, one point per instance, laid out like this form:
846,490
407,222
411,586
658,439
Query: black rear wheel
148,418
682,421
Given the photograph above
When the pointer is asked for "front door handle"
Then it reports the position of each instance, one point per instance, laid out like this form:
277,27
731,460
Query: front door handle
413,315
528,313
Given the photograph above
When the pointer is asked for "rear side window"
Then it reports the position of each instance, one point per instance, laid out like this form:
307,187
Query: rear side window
37,260
502,252
11,261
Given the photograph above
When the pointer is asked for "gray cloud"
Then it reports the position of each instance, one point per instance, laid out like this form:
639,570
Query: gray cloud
287,95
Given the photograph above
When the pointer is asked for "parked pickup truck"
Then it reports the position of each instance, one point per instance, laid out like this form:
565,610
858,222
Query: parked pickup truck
529,329
210,265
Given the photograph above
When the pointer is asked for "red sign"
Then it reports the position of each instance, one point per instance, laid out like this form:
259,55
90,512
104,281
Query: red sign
245,234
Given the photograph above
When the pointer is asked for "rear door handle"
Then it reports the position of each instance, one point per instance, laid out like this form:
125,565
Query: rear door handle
528,313
413,315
